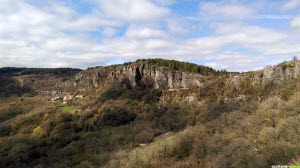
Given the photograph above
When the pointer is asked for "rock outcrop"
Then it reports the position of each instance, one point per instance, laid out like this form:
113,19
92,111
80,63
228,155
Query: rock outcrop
278,74
270,75
89,78
163,77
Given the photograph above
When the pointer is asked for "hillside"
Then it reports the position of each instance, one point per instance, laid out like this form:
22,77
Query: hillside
20,81
150,113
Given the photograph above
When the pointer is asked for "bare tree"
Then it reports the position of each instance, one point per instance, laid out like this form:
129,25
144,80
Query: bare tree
295,58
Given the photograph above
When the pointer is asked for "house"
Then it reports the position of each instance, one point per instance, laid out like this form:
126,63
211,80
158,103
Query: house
56,99
79,96
68,97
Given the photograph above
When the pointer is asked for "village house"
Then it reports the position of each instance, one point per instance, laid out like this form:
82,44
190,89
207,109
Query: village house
56,99
68,97
79,96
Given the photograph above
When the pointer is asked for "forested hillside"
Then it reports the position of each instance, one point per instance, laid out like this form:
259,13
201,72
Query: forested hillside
154,113
13,71
182,66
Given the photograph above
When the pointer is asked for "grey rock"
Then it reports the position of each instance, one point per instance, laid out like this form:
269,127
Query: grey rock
163,77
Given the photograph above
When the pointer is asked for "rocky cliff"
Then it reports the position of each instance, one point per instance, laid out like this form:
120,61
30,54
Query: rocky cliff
163,77
281,72
274,75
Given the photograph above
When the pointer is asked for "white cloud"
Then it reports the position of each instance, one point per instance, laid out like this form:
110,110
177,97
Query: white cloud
292,4
133,10
156,44
164,2
274,17
143,32
87,22
65,43
56,35
296,22
242,34
210,48
224,10
257,35
109,32
62,10
177,26
34,36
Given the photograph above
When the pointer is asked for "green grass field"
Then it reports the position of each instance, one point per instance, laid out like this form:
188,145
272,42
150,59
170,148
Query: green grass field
66,108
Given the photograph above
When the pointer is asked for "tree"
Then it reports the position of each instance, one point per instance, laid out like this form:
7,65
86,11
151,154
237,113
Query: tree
295,58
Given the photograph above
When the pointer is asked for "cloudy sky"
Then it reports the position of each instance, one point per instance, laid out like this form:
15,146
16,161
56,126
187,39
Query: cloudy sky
237,35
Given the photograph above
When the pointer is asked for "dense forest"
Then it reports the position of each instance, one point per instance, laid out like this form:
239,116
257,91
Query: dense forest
173,65
181,66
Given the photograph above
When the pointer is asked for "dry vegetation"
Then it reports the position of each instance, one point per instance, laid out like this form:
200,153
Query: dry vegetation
122,126
265,135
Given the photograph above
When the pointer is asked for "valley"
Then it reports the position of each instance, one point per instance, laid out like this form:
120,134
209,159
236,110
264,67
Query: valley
150,113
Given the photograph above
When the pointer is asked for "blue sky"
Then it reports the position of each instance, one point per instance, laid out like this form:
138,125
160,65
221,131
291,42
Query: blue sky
236,35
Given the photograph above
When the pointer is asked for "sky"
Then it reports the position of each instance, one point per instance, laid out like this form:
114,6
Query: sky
236,35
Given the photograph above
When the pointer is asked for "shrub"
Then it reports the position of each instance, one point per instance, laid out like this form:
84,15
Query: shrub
38,130
116,116
213,110
144,136
4,130
13,110
63,133
64,117
169,118
46,116
183,148
23,151
295,161
279,153
143,90
200,150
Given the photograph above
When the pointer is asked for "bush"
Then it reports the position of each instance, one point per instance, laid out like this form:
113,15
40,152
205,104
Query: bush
213,110
38,130
22,151
144,136
116,116
279,153
200,150
63,133
4,130
183,148
13,110
168,118
143,90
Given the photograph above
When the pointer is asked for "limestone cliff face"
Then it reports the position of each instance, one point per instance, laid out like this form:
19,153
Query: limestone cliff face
89,79
279,73
270,75
170,79
163,77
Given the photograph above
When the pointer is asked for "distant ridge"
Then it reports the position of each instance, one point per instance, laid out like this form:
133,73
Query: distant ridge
37,71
